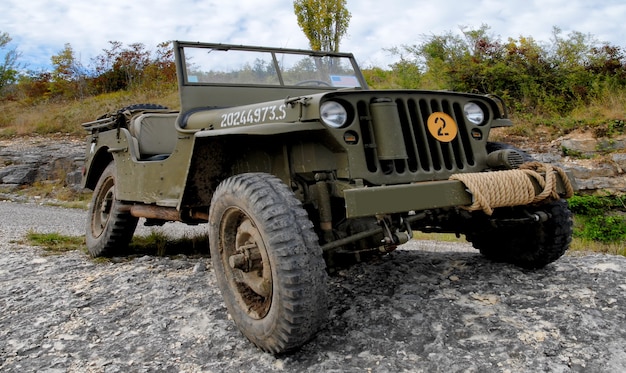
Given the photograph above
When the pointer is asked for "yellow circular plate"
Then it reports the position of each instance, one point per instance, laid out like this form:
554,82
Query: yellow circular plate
442,127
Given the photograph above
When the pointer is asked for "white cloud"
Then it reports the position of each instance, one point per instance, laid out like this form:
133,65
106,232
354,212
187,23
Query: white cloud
41,28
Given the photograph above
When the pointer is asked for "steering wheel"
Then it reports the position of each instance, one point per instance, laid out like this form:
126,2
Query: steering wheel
314,82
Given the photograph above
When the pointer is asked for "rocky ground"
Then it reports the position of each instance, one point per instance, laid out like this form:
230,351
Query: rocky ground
428,307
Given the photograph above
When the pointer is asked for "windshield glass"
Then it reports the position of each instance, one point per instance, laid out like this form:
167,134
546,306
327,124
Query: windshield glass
232,66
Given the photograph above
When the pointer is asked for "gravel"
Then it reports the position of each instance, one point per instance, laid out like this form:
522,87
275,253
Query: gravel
427,307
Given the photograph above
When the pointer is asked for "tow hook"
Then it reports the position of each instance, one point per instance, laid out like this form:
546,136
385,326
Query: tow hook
527,218
540,216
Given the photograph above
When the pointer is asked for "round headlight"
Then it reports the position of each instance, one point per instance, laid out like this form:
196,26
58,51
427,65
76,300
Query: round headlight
474,113
333,114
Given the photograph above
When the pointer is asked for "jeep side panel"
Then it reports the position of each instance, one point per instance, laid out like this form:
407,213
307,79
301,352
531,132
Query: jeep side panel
158,182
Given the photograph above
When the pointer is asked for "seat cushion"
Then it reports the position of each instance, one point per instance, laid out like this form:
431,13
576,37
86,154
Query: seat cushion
155,133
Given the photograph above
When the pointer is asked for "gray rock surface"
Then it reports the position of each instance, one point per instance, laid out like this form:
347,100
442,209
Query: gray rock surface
600,164
428,307
25,161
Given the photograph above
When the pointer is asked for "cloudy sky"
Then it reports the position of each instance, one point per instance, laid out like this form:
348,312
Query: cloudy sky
41,28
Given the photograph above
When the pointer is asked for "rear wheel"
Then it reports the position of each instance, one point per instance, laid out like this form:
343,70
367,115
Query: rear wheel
529,245
110,226
268,263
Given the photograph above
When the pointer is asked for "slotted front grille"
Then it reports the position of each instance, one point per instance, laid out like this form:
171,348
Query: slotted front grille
427,158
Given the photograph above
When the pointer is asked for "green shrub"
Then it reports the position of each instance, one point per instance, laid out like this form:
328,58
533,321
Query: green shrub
611,228
55,243
593,205
598,218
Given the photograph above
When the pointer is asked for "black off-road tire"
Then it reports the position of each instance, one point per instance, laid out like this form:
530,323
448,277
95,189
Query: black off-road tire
144,107
529,246
110,226
120,119
278,297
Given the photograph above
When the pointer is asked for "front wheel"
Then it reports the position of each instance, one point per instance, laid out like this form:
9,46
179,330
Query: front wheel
110,226
268,263
529,245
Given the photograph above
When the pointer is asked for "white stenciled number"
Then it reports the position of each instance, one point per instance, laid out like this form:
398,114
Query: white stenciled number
227,120
253,116
265,109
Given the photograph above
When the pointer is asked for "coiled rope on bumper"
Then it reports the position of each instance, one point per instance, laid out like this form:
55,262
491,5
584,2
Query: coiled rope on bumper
513,187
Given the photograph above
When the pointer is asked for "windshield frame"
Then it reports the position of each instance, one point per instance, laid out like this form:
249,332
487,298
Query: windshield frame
323,70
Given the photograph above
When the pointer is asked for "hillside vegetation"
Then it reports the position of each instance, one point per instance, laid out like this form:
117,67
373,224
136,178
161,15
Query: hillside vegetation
571,82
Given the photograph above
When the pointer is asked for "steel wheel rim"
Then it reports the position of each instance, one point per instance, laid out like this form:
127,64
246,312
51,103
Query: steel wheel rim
250,278
103,207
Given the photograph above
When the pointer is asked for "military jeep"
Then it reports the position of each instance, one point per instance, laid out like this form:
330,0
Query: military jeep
299,168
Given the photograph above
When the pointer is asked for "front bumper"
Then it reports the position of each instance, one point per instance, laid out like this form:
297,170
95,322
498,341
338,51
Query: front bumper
370,201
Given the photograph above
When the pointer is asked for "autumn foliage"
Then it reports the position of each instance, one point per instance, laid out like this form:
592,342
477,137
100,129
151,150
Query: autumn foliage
117,68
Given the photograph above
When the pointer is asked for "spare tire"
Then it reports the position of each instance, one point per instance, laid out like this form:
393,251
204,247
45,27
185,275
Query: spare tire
136,107
131,108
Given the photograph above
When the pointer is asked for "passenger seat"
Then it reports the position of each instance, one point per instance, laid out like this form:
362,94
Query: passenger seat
155,135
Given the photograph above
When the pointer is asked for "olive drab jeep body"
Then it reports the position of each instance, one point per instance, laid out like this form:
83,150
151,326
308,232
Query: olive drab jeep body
297,167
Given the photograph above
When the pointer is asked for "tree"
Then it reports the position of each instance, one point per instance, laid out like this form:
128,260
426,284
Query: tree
324,22
34,87
121,67
68,76
161,70
8,63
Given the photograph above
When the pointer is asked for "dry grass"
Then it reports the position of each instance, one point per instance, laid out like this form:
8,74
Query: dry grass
444,237
611,105
581,245
54,193
17,119
596,116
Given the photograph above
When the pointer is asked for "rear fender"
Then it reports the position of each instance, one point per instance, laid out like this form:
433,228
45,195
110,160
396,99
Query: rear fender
95,166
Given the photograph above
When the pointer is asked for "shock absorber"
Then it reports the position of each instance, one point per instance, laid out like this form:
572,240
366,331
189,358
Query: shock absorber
324,208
